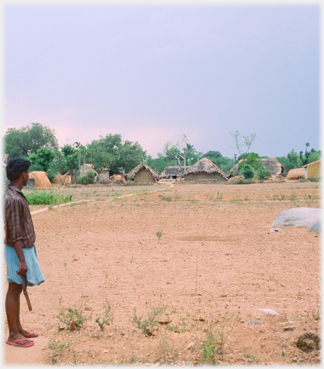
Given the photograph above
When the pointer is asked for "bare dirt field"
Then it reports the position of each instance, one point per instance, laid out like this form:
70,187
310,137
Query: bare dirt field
195,261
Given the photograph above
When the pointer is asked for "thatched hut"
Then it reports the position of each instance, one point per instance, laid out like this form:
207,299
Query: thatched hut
174,172
205,169
296,173
272,164
142,174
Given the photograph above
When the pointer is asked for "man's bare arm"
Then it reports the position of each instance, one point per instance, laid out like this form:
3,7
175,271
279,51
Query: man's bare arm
18,246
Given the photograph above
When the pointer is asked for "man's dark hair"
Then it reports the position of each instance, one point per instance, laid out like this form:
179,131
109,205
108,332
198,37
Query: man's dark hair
15,167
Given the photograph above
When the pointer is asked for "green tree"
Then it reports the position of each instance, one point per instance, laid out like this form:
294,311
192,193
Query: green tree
213,154
294,160
248,172
157,164
111,152
42,159
313,156
71,161
253,160
242,143
224,163
24,141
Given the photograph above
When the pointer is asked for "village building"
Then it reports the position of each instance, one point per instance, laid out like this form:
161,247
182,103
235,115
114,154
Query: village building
104,176
85,168
173,172
205,169
142,174
272,164
313,170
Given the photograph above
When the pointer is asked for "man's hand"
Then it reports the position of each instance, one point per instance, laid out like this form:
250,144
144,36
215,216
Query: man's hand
22,264
22,268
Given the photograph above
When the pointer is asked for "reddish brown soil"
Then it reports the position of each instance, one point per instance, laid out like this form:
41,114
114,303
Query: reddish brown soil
214,266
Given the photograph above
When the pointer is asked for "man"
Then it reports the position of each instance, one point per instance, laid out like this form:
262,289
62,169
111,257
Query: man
20,252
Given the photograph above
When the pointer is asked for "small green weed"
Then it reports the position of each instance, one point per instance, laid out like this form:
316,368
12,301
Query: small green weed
71,318
167,198
147,325
159,234
107,318
293,197
252,358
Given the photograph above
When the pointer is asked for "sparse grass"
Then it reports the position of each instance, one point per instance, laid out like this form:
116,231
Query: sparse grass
165,353
71,318
148,324
167,198
236,181
215,339
252,358
107,317
293,197
58,349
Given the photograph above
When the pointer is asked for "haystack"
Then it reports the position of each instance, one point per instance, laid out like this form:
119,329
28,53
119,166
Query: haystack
296,173
118,178
205,169
41,179
62,179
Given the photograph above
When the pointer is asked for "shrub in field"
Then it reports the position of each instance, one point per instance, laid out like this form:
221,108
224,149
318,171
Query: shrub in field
88,178
241,181
147,325
51,174
248,172
107,318
42,198
264,173
72,318
315,179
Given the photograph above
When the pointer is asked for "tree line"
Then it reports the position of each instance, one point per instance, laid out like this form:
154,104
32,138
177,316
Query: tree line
39,145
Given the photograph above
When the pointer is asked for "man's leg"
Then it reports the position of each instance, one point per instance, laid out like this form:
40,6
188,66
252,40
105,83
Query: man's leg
22,331
12,311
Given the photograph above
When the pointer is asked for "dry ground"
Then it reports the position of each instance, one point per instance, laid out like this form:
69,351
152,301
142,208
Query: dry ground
214,265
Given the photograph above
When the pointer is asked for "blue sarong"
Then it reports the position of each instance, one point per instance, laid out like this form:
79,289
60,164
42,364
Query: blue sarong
34,273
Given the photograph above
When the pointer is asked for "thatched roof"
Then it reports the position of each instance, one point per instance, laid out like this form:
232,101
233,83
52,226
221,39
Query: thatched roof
207,166
272,164
134,171
174,171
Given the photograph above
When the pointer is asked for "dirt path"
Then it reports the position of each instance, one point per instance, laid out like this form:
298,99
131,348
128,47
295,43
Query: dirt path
212,267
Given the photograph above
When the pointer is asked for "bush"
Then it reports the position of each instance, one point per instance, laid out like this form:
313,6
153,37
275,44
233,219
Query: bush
87,179
248,172
41,198
51,174
241,181
264,173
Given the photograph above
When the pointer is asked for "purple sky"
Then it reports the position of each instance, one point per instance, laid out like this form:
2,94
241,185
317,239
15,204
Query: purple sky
155,73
